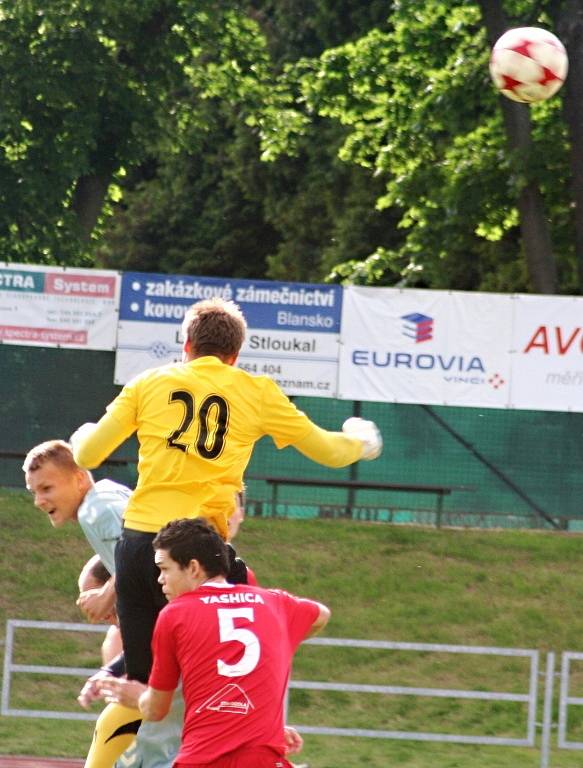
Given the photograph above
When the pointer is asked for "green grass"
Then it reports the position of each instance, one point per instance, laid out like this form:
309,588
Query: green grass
518,589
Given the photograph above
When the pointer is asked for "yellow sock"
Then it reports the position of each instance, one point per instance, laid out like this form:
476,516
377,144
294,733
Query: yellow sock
114,732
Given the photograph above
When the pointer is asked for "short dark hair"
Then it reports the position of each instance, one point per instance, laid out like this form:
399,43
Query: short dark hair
194,539
215,327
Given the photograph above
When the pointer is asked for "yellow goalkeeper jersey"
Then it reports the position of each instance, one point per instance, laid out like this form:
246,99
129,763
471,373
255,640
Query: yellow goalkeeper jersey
196,424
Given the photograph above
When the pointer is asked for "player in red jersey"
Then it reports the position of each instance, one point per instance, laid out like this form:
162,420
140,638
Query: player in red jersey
231,645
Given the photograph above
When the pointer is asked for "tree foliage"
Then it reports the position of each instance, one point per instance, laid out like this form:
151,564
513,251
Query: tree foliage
290,139
293,218
90,91
79,88
421,113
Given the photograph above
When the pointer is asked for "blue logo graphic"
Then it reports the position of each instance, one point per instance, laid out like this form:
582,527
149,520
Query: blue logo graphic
418,327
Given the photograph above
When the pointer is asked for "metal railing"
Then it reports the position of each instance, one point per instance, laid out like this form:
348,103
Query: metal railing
10,667
565,700
529,697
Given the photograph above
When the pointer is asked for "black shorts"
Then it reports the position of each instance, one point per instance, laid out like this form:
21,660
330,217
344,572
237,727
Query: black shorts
139,599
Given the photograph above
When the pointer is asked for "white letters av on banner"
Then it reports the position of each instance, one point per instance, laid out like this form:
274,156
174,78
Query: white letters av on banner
547,368
433,347
293,328
56,307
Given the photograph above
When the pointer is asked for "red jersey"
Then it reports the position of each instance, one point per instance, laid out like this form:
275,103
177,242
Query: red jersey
232,645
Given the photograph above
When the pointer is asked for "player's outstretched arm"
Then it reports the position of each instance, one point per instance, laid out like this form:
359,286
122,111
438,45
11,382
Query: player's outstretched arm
93,443
321,620
338,449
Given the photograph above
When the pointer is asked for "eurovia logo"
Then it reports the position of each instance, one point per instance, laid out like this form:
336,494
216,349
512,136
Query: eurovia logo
454,368
418,327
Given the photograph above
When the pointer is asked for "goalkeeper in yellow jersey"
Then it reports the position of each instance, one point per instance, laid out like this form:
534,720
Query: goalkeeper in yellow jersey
196,424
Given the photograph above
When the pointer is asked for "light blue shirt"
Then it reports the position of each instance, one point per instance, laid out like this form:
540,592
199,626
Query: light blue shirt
100,516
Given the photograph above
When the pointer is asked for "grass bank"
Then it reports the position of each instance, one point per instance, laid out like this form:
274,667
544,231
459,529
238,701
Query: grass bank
518,589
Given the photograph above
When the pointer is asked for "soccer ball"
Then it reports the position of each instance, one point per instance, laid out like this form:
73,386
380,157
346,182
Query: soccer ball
528,64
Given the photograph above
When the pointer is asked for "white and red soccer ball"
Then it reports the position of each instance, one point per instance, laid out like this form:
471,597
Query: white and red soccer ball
528,64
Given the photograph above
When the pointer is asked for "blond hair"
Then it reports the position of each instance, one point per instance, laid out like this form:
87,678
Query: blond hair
57,451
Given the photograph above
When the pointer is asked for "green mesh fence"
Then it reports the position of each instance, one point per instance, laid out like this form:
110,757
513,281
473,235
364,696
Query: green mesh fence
46,394
504,468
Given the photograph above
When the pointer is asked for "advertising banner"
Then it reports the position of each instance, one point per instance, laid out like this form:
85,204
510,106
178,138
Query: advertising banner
58,307
547,369
380,344
432,347
293,328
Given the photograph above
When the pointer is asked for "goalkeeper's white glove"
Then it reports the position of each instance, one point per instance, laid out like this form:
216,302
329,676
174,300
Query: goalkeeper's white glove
367,432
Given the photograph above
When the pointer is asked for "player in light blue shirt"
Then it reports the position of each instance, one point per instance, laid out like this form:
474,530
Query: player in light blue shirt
100,517
68,493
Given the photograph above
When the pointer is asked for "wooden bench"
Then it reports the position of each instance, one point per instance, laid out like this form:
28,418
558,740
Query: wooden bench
439,491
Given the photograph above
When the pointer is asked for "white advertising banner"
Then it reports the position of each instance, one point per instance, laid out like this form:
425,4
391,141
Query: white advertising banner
547,368
293,328
380,344
58,307
433,347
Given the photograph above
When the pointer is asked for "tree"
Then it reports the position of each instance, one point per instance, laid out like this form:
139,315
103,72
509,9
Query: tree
87,90
290,139
191,210
568,20
535,232
78,102
209,205
469,185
